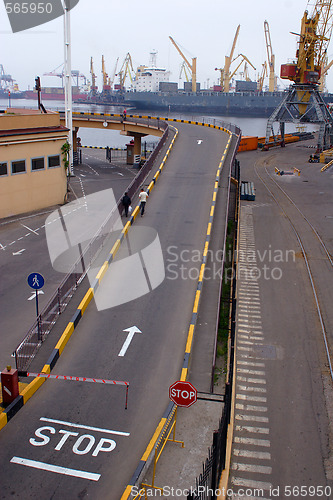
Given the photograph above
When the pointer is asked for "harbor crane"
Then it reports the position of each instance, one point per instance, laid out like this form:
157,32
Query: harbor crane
225,73
94,87
106,79
262,76
74,73
192,67
303,102
125,70
270,59
184,70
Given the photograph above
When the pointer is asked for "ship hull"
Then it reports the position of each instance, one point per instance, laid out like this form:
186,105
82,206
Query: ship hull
55,96
217,103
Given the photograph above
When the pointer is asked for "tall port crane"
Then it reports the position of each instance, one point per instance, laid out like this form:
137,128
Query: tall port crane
94,87
225,73
262,76
303,102
270,59
192,67
125,70
106,79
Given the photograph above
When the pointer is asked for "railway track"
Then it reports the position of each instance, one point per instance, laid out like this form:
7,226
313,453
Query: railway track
317,257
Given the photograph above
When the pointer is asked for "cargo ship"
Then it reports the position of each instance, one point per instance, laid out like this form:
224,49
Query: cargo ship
239,104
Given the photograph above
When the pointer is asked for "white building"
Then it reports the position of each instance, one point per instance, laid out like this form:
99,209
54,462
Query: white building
148,78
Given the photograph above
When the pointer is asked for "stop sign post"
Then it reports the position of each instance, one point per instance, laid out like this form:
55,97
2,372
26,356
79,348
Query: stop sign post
183,393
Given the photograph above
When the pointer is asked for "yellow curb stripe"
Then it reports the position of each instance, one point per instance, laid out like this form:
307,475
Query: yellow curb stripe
86,299
135,212
202,270
209,229
65,337
205,249
153,439
183,375
102,271
115,247
46,369
3,420
196,301
189,339
32,388
126,227
151,185
212,211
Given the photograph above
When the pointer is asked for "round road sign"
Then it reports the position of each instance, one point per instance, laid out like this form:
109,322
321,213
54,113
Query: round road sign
183,393
35,281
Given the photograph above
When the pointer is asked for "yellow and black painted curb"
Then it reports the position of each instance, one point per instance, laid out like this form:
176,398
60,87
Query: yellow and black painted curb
190,336
31,388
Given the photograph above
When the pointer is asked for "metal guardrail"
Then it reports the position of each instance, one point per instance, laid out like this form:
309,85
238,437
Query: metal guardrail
37,333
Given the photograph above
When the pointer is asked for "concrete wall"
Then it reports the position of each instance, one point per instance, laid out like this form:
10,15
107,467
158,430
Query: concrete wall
23,137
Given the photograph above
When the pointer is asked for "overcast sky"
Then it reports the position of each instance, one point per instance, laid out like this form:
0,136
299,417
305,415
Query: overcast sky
203,28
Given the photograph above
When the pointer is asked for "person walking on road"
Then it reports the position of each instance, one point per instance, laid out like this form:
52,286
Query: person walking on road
143,198
126,200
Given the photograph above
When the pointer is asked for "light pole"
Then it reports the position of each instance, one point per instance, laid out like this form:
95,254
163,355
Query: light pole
68,83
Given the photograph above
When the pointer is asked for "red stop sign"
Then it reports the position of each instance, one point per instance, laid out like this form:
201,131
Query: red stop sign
183,393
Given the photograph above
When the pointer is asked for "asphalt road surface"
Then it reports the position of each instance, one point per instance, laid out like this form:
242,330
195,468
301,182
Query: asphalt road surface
23,249
82,428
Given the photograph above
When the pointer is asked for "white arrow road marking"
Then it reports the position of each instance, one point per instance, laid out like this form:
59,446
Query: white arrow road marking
199,141
34,294
19,252
131,332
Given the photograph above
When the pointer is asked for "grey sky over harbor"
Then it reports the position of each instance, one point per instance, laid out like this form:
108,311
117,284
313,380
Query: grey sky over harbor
203,29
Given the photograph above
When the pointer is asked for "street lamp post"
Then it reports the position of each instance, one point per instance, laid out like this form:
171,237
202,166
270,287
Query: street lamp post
68,83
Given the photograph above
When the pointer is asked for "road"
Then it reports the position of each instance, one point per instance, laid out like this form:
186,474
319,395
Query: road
23,249
282,427
86,427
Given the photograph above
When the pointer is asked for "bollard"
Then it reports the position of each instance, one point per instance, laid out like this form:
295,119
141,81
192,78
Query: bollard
9,385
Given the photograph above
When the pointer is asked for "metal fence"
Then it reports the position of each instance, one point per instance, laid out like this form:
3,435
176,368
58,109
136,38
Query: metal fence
32,341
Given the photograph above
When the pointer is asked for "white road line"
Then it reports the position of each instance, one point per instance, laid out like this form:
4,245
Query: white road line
250,363
260,455
251,389
261,469
250,337
252,380
80,426
251,408
29,228
246,397
265,443
256,430
251,372
55,468
238,481
252,418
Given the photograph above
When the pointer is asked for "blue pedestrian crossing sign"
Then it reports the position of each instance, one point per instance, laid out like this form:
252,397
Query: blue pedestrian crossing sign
35,281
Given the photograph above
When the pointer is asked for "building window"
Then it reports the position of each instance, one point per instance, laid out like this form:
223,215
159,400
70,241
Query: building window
18,166
37,164
54,161
3,169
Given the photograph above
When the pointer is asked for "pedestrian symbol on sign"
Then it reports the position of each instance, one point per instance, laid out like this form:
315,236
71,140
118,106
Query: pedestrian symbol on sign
35,281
